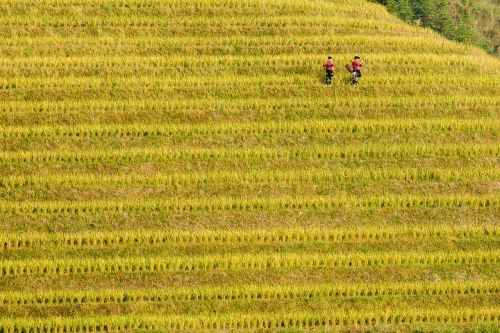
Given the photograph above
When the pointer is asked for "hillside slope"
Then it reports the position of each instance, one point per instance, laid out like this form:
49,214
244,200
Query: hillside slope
179,165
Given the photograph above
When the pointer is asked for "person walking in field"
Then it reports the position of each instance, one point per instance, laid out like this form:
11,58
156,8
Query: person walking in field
329,67
356,70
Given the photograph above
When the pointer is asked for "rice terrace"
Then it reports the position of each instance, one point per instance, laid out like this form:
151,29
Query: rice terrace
181,166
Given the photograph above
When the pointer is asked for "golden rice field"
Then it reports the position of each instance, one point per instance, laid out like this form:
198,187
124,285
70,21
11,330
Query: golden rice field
180,166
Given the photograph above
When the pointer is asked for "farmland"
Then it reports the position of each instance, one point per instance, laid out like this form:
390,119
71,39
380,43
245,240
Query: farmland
180,166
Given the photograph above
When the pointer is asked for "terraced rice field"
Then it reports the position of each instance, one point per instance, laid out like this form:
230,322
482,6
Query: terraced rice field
179,165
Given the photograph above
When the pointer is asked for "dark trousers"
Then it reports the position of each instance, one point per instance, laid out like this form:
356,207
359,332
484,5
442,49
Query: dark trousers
329,77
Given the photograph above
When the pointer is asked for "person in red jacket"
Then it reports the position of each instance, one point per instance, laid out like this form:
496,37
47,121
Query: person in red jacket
356,70
329,67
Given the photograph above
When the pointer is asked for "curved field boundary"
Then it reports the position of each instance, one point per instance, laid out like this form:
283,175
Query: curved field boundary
243,262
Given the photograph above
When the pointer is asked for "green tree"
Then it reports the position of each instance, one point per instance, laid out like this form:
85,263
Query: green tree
463,14
392,6
405,10
401,8
437,15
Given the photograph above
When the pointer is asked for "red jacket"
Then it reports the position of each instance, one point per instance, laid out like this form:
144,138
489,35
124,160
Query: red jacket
356,64
329,65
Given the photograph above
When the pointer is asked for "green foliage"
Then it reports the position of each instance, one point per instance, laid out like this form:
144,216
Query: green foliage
461,20
393,6
437,15
405,10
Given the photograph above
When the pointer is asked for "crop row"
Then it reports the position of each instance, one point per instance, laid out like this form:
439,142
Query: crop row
283,153
46,46
311,175
157,164
235,86
240,321
184,8
183,238
180,4
467,126
294,22
19,83
239,188
182,65
268,106
113,112
248,204
171,3
303,59
197,26
204,110
252,292
243,262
